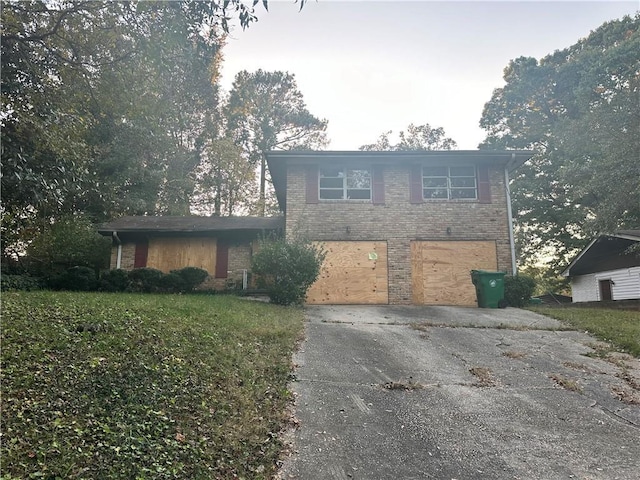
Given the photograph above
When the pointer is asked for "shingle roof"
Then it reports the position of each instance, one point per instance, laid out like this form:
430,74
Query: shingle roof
605,252
628,233
190,224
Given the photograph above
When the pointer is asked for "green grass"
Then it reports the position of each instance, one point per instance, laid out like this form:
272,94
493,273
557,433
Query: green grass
621,328
143,386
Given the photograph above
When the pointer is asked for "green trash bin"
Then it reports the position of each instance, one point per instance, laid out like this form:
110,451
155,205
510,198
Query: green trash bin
489,288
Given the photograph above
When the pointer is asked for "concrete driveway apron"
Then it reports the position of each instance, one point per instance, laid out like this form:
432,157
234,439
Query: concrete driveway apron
458,393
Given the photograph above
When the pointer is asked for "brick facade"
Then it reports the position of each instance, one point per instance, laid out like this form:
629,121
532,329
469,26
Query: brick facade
399,222
239,259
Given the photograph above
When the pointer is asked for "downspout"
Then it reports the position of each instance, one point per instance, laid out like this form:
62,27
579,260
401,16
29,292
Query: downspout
119,255
512,243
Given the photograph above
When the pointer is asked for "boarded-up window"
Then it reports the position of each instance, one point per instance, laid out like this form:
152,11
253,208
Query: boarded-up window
168,254
141,253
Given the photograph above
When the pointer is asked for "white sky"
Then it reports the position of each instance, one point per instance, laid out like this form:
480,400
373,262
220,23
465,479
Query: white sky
368,67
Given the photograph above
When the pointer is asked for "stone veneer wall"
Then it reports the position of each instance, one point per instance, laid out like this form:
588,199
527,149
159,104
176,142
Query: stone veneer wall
399,222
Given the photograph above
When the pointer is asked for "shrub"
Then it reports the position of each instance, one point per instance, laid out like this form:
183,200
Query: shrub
518,290
114,281
287,269
191,277
20,282
172,283
146,280
78,279
69,242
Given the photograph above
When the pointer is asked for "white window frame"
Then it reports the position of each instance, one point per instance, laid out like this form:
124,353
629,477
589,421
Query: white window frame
344,188
447,184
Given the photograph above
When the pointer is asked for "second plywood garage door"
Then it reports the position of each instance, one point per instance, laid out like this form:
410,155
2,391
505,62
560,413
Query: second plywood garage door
352,273
440,271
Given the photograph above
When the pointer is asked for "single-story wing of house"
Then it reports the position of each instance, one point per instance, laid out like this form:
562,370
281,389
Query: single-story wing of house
606,269
222,246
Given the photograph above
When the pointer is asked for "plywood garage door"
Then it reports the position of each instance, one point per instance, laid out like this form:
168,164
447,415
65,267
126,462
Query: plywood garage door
440,271
352,273
168,254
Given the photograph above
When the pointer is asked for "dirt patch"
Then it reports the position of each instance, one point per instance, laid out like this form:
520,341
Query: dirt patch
566,383
406,386
514,354
484,377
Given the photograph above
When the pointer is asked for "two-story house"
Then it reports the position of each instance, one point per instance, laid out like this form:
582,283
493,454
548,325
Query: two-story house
399,227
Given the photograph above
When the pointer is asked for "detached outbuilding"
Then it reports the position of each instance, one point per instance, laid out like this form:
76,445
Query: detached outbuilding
606,269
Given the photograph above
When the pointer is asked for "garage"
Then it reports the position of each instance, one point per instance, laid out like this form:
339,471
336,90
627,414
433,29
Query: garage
440,270
352,273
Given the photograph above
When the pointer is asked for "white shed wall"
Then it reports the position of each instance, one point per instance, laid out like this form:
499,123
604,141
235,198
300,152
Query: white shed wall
626,285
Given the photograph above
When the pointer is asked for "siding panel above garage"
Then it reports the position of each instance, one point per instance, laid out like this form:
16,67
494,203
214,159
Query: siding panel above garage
352,273
441,270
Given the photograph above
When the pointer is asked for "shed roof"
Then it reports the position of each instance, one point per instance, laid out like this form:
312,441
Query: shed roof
159,224
606,252
278,160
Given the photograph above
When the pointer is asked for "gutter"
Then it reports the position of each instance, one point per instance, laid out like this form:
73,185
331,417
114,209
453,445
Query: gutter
119,255
512,243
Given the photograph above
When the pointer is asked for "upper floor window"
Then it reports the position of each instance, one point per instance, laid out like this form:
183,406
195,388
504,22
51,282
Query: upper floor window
449,183
345,183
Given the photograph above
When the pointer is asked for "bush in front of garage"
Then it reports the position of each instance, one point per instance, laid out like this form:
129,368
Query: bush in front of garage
286,269
518,290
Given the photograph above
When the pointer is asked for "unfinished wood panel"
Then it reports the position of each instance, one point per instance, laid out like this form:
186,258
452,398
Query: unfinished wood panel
417,289
168,254
352,273
440,271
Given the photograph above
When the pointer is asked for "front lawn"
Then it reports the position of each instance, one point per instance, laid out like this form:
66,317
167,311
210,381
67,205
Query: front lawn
135,386
619,327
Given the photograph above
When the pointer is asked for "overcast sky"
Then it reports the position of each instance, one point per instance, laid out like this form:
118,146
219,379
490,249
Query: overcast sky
368,67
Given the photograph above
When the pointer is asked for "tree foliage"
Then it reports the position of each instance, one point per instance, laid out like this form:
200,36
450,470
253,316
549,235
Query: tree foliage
266,111
287,268
69,242
578,110
107,107
416,137
225,180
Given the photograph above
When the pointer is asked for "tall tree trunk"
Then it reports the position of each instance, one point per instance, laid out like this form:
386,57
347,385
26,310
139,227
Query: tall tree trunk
263,180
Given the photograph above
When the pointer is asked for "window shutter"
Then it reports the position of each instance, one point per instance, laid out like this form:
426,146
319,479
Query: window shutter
312,185
140,256
415,184
377,183
484,186
222,259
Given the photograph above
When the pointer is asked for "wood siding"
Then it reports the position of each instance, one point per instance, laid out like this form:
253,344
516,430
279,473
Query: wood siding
626,285
168,254
441,271
352,273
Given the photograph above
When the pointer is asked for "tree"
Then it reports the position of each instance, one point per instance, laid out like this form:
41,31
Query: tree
70,242
416,137
106,107
578,110
266,111
225,181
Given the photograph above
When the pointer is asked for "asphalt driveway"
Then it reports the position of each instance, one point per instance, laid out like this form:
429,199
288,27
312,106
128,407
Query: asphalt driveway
459,393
